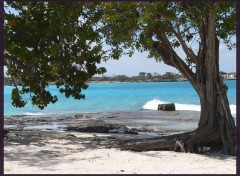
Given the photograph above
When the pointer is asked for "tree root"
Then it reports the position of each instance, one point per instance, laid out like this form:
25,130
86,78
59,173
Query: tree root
191,142
179,145
167,143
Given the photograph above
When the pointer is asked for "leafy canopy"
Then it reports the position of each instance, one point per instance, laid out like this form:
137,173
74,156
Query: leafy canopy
51,42
63,42
137,25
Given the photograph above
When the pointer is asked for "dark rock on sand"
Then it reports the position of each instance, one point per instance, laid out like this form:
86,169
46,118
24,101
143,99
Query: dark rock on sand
100,126
96,129
166,107
131,132
5,132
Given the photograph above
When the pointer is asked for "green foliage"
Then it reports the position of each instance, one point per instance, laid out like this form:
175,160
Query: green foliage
121,78
226,23
18,99
63,42
51,42
140,28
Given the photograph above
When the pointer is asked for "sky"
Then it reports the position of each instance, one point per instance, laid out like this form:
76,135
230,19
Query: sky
131,66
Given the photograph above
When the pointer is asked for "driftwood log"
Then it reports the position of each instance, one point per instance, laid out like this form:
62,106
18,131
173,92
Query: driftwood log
173,142
167,143
166,107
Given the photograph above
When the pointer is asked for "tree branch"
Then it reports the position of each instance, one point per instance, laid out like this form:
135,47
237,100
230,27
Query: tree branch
158,48
19,64
189,52
175,60
199,25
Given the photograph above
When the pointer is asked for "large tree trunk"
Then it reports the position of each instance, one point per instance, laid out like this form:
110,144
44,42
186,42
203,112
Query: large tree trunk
216,129
216,125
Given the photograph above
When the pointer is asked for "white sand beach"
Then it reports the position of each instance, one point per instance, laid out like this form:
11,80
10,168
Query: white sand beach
56,152
61,157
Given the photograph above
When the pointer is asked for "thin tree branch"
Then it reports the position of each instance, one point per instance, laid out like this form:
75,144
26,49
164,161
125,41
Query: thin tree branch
176,61
189,52
19,64
199,25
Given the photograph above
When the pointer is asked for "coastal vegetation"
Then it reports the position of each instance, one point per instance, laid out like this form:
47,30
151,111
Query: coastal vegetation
64,41
142,77
155,77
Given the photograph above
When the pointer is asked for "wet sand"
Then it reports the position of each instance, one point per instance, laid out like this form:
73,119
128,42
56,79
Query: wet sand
142,120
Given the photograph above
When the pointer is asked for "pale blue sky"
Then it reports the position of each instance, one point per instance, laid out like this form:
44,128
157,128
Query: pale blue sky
140,63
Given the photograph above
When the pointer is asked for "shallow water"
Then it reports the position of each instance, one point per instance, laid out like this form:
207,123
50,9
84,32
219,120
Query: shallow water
120,97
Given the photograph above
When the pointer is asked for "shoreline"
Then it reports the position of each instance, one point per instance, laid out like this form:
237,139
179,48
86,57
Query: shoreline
153,121
146,120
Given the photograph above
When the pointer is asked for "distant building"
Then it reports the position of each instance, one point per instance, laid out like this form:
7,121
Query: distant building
232,75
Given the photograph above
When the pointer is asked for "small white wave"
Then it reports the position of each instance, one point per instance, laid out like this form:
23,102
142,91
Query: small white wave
33,114
153,105
233,109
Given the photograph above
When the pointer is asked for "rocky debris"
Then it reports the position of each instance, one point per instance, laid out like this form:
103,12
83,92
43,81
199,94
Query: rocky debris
5,132
81,116
138,122
96,129
110,117
130,132
100,126
44,120
79,122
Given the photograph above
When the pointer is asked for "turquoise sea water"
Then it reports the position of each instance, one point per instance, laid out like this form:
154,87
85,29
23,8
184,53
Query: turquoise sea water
120,96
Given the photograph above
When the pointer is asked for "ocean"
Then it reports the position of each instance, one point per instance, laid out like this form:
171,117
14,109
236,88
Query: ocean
106,97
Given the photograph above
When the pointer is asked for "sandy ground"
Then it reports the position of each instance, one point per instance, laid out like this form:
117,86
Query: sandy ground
79,153
37,145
